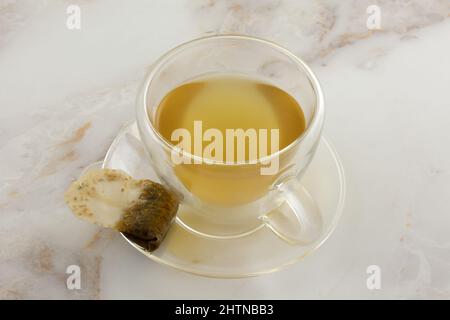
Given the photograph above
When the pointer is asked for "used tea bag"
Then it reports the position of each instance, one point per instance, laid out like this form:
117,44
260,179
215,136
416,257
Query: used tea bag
141,209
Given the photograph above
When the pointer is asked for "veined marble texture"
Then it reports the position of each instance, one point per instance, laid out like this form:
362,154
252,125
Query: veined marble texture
65,94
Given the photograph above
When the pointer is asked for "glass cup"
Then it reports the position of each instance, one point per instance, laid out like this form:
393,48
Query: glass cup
228,200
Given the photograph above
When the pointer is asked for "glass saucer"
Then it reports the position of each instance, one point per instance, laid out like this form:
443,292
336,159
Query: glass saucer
257,253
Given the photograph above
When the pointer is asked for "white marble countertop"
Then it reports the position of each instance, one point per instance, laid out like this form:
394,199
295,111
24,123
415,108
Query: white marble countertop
65,93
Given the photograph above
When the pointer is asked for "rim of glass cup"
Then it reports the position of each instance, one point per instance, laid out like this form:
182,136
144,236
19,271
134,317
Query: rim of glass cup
143,118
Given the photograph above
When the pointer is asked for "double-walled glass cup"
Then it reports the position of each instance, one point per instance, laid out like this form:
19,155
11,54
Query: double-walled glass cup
220,199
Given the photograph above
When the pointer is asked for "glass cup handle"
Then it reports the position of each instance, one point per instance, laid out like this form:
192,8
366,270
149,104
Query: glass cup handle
298,219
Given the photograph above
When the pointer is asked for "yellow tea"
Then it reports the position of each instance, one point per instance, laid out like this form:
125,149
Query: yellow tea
225,103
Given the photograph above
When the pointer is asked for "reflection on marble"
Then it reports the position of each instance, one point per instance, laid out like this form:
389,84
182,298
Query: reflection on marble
65,94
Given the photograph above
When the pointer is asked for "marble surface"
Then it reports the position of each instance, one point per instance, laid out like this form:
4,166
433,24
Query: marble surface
64,95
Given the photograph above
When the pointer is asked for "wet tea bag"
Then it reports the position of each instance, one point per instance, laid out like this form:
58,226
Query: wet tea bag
141,209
